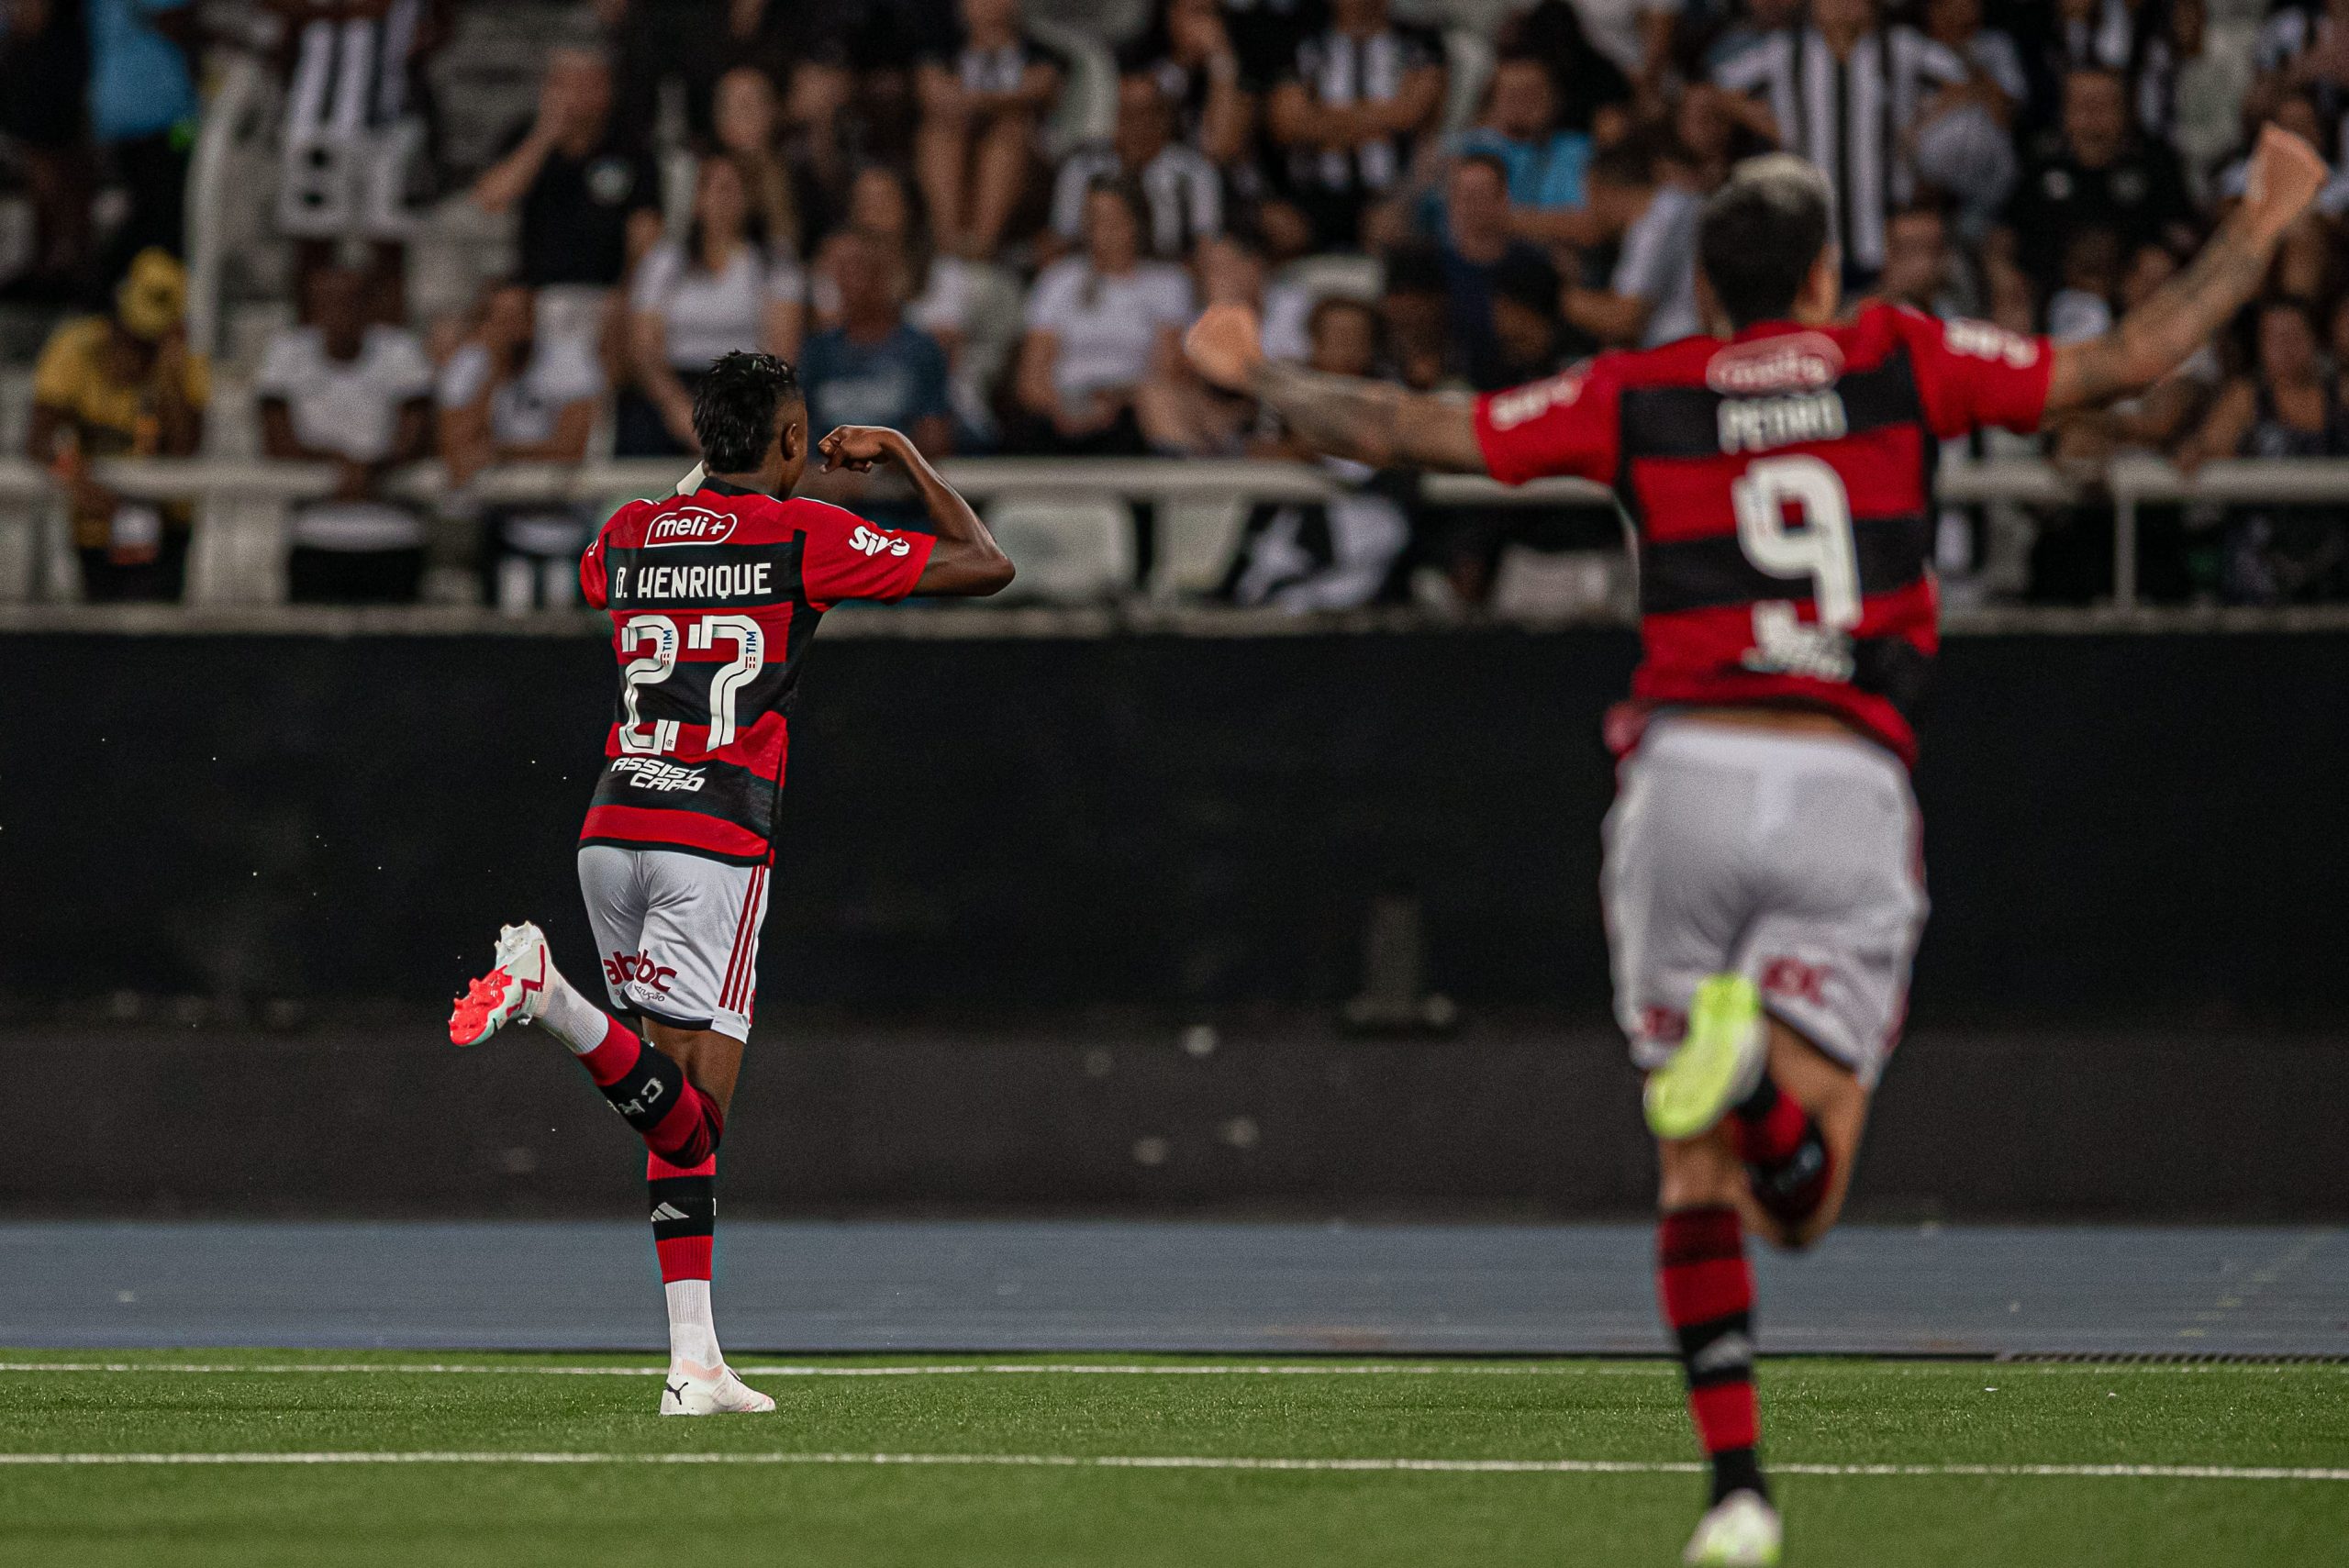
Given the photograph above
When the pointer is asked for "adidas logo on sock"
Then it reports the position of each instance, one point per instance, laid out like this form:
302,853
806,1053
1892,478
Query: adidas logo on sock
669,1211
1728,1352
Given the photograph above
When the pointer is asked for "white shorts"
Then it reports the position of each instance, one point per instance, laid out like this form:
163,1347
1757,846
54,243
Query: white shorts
677,934
1793,860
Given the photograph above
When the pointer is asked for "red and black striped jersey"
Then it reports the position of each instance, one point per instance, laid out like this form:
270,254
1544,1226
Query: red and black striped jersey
1781,487
713,599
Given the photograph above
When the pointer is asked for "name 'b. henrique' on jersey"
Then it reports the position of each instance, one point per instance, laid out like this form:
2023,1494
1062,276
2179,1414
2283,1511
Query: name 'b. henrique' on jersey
1781,484
713,599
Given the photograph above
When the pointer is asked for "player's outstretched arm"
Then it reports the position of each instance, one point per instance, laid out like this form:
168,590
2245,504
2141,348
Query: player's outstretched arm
2164,330
966,563
1368,421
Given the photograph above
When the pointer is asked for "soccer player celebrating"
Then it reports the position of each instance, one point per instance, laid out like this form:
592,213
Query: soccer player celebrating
713,593
1761,875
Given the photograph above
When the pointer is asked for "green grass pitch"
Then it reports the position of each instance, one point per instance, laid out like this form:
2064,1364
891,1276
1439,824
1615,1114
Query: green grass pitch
998,1463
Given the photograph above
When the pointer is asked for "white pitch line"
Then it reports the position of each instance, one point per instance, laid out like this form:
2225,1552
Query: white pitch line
1079,1368
1204,1461
976,1369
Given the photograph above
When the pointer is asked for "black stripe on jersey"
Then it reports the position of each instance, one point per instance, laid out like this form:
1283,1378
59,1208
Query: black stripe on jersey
682,577
1703,573
1894,669
1686,421
727,791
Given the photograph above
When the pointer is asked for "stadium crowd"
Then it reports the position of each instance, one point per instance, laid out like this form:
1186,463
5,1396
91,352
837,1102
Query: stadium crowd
886,191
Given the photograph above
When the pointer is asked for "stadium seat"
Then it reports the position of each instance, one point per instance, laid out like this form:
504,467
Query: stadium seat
1470,56
1548,586
1352,277
1114,20
1069,550
1196,539
997,322
1088,107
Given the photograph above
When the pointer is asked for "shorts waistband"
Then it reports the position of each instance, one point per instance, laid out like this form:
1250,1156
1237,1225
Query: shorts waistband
1682,735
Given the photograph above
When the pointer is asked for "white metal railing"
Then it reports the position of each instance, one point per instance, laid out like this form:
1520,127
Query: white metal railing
29,496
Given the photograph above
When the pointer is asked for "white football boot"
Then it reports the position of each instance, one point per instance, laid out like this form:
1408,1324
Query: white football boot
517,986
693,1390
1738,1532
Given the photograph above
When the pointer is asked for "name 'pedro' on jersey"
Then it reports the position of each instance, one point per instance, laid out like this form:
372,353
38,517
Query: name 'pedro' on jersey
713,599
1781,486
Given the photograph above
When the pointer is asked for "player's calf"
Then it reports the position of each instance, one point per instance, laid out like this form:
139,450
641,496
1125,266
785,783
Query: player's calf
645,1084
1706,1287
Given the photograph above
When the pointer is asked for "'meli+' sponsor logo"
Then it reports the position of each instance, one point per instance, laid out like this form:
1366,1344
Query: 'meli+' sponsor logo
689,525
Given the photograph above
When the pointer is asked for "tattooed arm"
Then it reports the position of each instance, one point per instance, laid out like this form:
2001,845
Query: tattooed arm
1371,421
1368,421
2165,329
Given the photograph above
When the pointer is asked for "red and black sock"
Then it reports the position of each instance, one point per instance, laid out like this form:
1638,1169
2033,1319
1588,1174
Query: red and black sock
1787,1157
1706,1289
685,1214
649,1090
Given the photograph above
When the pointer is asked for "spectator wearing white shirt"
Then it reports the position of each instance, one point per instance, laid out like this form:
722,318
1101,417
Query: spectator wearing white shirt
1180,189
692,303
358,396
1990,53
1100,324
509,394
1651,296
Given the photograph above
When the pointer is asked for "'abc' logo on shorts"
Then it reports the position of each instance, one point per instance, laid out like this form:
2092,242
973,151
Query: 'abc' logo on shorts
621,969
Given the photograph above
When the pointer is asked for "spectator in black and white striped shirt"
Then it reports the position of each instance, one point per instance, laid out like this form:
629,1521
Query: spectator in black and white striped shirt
1358,98
1181,189
986,90
1845,92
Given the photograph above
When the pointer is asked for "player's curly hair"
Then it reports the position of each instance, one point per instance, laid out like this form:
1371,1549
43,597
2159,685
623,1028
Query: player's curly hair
734,412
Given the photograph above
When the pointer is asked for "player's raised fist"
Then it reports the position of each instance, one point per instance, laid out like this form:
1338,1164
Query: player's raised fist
858,446
1223,344
2284,175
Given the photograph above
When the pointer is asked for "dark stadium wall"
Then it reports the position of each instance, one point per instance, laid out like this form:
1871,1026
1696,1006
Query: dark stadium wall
1014,867
2118,827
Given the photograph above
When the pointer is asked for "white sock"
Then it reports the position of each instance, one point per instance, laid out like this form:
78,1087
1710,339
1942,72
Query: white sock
693,1337
573,1018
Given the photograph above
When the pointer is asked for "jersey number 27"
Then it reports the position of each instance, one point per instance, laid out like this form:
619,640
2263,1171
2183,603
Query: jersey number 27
658,634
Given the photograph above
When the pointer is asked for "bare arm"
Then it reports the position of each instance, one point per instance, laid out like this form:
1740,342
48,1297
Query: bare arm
1369,421
2223,432
572,428
966,563
1033,380
2157,337
1614,319
509,179
466,447
1224,119
1412,109
648,358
